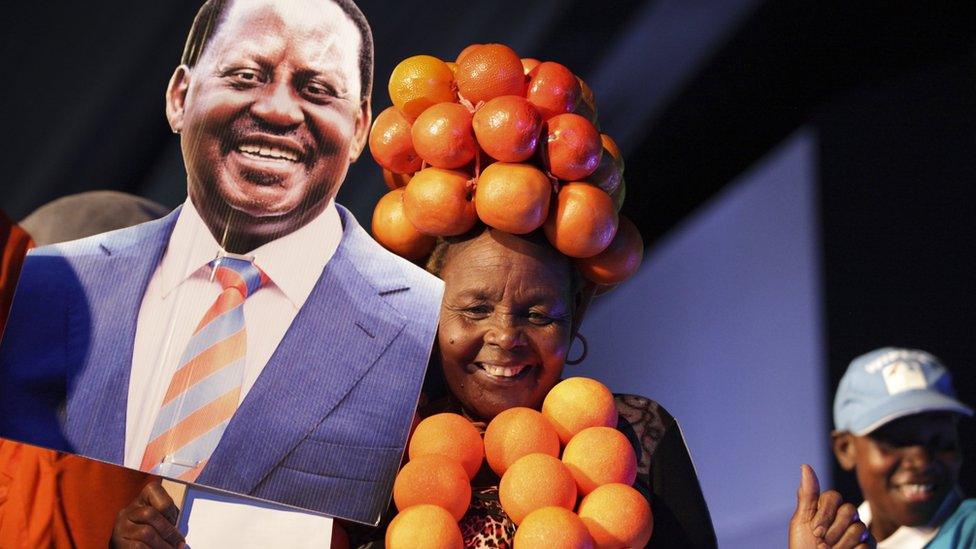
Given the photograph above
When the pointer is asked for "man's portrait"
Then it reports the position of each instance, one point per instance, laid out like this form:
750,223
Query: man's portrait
256,339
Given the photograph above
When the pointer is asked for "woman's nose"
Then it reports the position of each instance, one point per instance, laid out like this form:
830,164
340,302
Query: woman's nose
504,333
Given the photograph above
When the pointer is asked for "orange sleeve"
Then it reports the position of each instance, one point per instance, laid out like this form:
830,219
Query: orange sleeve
14,243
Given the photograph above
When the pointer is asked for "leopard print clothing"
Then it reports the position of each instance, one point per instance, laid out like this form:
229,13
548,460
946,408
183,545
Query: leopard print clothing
486,524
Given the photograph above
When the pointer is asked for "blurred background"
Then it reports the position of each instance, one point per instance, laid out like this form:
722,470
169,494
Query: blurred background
804,172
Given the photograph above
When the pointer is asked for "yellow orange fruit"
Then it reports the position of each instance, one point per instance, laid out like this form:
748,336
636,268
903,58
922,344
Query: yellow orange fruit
468,49
419,82
533,482
577,403
617,516
449,435
507,128
515,433
610,146
620,260
552,528
440,202
529,63
573,147
390,143
393,230
433,479
587,104
427,526
513,197
583,221
395,180
489,71
552,89
600,455
442,136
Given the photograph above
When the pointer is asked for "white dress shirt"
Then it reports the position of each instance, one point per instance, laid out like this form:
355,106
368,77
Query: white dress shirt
914,537
180,291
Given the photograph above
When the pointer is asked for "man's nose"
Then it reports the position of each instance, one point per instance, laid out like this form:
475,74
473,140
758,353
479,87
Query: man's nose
918,457
504,333
278,105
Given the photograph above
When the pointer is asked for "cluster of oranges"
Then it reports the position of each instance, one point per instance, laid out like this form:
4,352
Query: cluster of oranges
510,141
546,461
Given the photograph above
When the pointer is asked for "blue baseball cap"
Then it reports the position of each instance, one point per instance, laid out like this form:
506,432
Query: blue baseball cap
890,383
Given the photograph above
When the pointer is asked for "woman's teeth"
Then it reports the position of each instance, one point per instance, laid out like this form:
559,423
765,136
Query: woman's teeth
502,371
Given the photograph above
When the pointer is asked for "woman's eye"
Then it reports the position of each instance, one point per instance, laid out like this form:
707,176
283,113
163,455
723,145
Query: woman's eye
476,311
536,317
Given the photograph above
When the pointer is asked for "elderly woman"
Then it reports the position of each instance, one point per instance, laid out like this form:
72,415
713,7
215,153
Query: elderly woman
512,307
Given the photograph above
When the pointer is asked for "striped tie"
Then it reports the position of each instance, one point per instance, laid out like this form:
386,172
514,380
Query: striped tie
206,388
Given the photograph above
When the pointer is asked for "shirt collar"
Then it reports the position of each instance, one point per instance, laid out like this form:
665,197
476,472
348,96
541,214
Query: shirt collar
293,263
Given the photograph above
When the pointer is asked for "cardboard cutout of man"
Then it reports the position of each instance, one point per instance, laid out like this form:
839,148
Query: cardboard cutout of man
256,339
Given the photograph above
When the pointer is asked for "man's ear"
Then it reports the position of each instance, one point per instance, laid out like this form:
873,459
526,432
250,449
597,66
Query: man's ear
842,443
364,117
176,91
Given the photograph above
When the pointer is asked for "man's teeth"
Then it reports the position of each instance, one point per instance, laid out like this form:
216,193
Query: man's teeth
503,371
269,152
912,490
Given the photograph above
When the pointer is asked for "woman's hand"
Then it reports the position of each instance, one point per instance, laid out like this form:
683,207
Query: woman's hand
149,521
823,521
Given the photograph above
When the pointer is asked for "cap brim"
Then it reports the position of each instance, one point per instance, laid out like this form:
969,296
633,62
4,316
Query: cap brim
907,404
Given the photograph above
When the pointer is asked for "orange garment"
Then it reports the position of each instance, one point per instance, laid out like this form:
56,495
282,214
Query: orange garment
48,498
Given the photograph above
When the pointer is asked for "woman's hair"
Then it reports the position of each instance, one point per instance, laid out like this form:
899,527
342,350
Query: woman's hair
435,263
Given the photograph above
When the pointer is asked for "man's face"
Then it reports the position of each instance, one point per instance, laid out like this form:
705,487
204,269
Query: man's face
271,115
907,467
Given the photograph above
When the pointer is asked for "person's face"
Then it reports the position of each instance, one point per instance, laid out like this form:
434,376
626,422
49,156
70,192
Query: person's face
505,321
906,468
271,115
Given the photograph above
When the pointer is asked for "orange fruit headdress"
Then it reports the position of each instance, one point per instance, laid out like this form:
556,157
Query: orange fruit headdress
513,143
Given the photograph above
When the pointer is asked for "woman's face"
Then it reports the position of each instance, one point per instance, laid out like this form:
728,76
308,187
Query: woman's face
505,321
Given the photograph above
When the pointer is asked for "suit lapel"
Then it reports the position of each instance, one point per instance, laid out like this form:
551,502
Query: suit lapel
114,279
339,333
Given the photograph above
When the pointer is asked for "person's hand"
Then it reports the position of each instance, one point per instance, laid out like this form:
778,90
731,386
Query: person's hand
149,521
823,521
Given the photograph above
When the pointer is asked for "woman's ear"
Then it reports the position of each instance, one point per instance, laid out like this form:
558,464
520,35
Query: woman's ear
842,443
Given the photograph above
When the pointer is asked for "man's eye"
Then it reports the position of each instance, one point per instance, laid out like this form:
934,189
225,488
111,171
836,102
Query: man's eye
247,77
320,91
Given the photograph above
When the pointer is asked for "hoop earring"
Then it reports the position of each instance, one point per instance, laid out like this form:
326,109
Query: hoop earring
574,362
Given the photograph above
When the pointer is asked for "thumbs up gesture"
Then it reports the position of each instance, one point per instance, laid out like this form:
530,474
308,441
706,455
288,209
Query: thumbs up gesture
823,520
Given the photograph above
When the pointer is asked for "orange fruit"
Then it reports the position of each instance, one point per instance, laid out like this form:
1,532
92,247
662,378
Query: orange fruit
507,128
513,197
468,49
419,82
515,433
610,146
552,528
396,180
620,194
621,258
553,89
439,202
577,403
582,221
442,136
489,71
449,435
607,175
617,516
434,479
393,230
390,143
598,456
587,103
533,482
427,526
529,63
573,147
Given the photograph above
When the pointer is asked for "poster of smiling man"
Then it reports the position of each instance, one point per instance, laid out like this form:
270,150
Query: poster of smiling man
255,340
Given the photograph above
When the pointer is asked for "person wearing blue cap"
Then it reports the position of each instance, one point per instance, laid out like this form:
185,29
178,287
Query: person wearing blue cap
895,421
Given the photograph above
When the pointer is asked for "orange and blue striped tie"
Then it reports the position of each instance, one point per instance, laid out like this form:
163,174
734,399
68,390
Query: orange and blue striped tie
206,388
